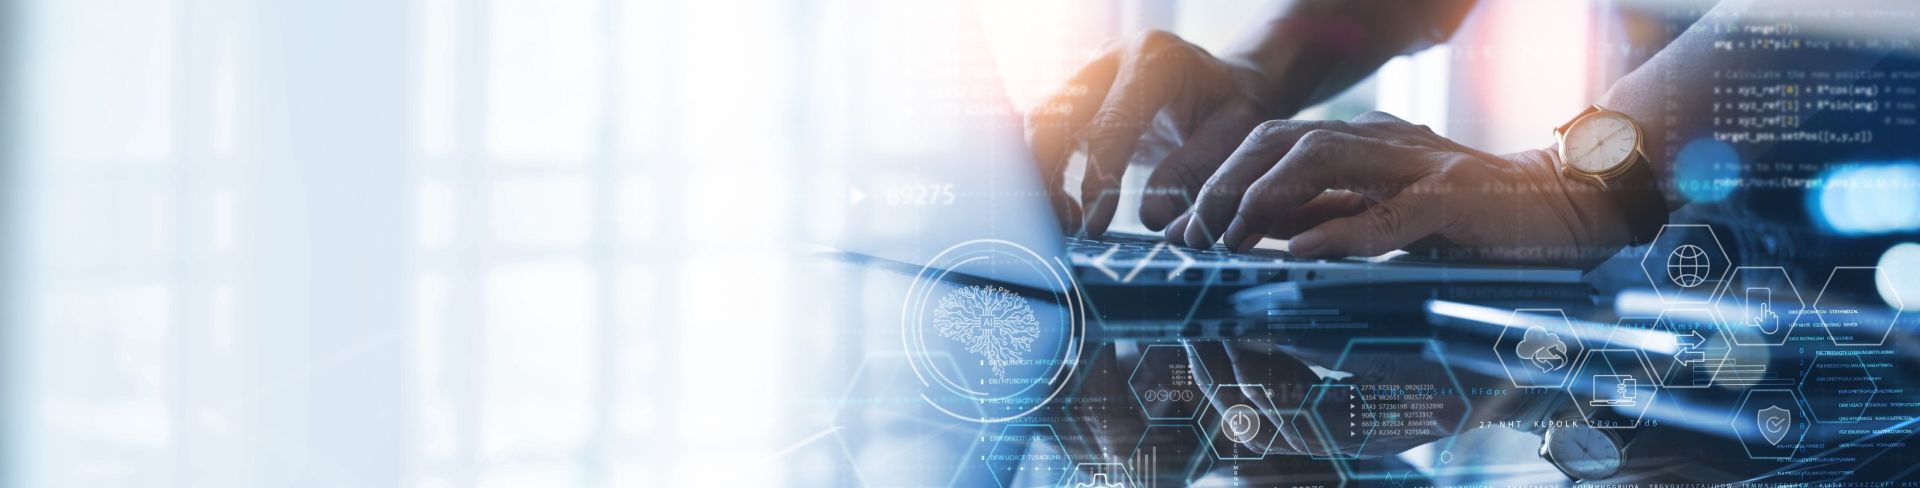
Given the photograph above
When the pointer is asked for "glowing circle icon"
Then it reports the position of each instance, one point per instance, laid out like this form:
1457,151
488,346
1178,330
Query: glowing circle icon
1240,424
987,351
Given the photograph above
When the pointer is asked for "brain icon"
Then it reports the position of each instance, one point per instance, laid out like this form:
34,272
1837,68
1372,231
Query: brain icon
992,322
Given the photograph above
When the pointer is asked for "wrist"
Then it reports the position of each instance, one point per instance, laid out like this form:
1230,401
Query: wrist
1302,57
1591,213
1259,77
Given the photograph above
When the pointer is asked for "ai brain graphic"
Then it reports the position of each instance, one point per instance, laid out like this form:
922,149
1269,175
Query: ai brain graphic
992,322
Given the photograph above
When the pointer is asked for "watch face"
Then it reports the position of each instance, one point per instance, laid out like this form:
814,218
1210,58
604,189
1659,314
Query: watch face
1585,452
1600,143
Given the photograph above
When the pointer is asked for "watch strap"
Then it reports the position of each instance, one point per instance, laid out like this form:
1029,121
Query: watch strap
1636,194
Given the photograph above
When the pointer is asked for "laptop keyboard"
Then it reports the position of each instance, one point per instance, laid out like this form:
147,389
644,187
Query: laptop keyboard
1135,248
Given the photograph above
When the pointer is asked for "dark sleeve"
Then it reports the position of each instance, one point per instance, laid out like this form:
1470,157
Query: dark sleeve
1434,20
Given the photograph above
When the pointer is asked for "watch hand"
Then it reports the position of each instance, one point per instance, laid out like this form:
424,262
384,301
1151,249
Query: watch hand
1623,128
1590,149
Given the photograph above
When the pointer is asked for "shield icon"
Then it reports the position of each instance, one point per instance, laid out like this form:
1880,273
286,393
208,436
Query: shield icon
1774,423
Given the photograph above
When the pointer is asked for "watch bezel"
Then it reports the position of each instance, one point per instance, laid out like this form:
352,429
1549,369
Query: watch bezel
1620,449
1619,168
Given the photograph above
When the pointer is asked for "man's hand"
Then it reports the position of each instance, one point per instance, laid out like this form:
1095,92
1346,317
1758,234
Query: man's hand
1378,183
1111,102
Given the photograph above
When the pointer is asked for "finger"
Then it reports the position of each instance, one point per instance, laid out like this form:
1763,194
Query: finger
1382,123
1145,84
1378,117
1413,214
1171,187
1274,382
1052,124
1212,356
1327,206
1064,207
1220,197
1321,161
1176,229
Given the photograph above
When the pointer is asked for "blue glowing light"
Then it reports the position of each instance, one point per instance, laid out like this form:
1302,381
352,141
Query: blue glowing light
1868,198
1901,265
1706,170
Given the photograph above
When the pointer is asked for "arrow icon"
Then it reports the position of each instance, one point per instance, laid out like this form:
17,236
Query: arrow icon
1185,260
1690,352
1100,263
1104,261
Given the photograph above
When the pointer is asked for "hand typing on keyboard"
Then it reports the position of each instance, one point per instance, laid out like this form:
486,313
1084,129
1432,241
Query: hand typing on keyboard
1378,183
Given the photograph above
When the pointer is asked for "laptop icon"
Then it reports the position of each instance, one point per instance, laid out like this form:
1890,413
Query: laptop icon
1614,390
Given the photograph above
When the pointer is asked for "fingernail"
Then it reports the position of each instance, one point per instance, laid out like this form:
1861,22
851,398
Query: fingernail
1248,243
1176,230
1306,243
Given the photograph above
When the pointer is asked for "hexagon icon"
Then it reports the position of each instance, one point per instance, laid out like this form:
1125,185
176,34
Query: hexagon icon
1769,423
1760,305
1168,383
1241,426
1342,420
1843,385
1027,451
1685,263
1171,455
1848,306
1538,347
1688,349
1401,407
1613,388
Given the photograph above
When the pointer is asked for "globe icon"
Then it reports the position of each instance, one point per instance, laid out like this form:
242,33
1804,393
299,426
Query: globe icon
1687,266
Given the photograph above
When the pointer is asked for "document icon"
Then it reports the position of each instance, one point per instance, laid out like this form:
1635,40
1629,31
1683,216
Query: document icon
1616,390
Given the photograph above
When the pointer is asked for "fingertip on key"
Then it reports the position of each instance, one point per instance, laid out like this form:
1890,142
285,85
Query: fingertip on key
1307,243
1157,211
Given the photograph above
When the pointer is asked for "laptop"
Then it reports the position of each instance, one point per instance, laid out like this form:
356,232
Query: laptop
946,163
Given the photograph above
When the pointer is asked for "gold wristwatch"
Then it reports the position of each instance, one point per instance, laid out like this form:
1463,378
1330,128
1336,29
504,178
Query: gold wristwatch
1602,147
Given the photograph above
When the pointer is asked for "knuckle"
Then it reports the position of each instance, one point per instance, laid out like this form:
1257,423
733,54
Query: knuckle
1256,192
1036,117
1376,116
1387,218
1108,118
1149,39
1207,192
1316,142
1107,127
1163,58
1270,130
1184,174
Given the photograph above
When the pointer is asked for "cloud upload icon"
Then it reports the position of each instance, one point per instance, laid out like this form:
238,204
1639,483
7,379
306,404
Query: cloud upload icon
1542,349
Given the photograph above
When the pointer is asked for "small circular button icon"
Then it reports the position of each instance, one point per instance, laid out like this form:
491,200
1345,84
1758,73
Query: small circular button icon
1241,423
